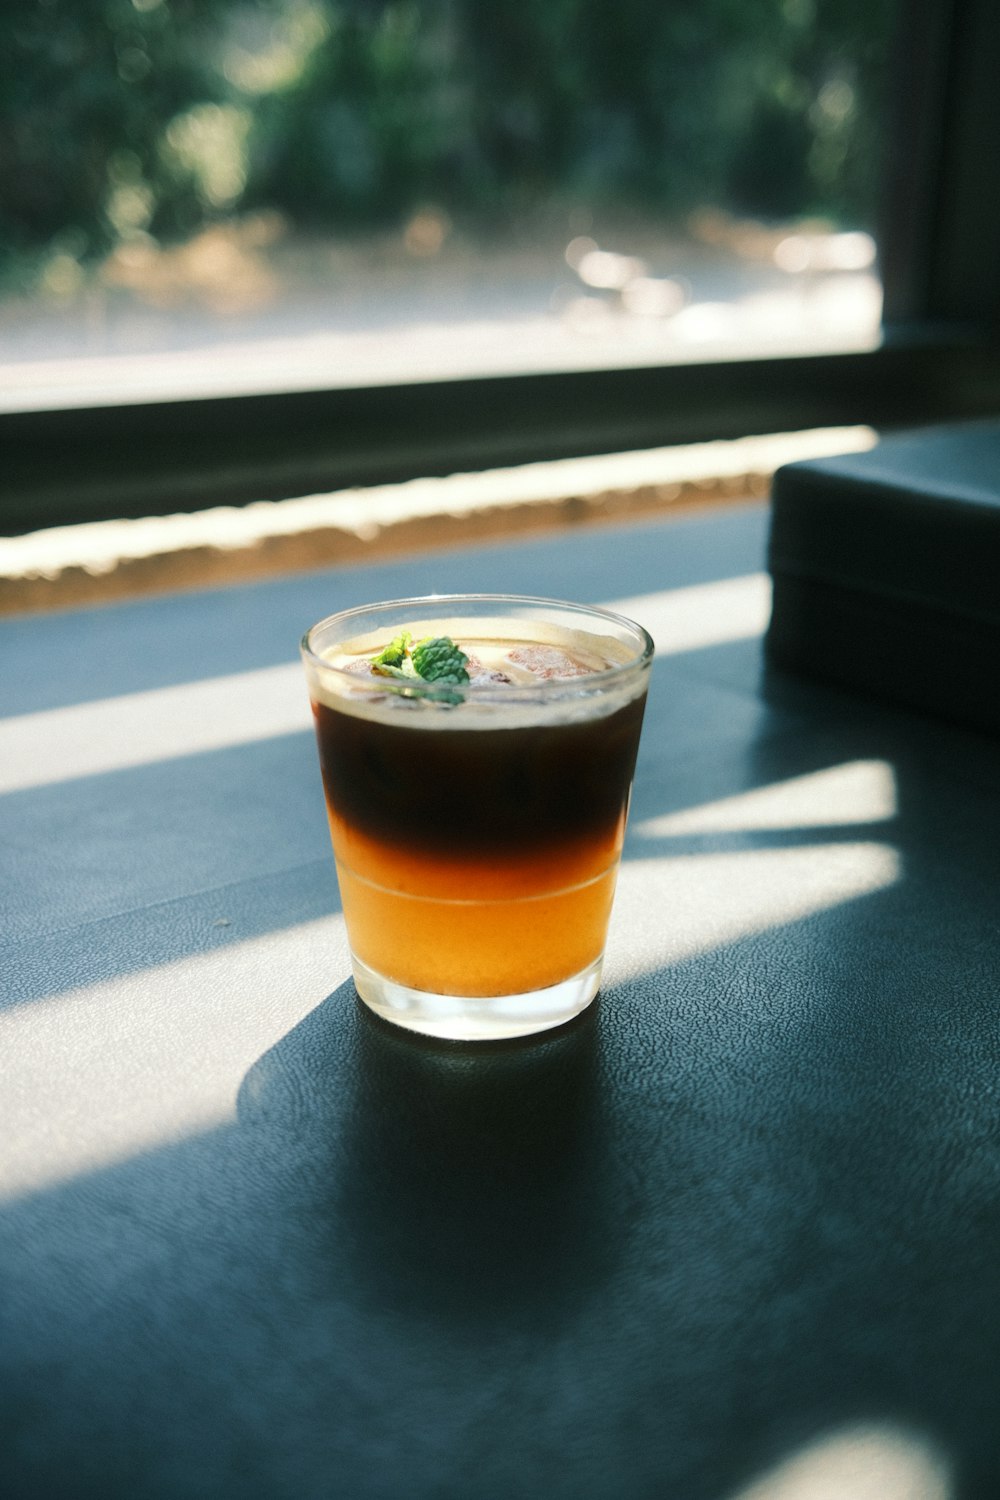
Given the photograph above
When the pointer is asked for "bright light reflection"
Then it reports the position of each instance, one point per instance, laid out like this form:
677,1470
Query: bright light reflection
137,729
869,1462
100,1073
704,614
674,908
862,791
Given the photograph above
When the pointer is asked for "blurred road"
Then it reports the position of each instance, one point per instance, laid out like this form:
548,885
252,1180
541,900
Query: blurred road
232,313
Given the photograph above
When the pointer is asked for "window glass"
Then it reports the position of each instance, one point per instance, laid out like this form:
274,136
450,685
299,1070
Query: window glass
264,195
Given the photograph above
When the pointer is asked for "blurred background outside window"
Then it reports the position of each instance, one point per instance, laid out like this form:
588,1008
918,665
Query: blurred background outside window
202,196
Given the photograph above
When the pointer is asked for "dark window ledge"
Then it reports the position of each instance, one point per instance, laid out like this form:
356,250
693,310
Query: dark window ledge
77,465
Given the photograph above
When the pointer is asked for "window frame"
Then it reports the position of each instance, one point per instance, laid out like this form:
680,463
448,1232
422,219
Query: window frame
939,245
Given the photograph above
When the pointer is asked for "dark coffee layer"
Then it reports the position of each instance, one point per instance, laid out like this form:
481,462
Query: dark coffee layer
479,791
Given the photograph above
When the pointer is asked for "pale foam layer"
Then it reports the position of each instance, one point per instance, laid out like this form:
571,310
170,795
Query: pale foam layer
523,672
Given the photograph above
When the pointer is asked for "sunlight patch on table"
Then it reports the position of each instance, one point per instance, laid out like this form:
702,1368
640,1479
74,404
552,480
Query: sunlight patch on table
101,1073
137,729
673,908
876,1461
859,791
703,614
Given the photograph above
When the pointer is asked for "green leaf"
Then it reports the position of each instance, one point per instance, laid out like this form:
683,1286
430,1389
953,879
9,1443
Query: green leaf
385,669
394,655
440,660
436,661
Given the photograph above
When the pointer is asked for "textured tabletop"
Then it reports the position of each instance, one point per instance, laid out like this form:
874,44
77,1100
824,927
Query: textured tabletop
735,1233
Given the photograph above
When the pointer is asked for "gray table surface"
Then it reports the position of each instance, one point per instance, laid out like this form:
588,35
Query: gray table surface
734,1233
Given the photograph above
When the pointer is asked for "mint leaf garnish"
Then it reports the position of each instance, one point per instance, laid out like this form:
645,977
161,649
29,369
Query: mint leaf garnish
436,660
407,671
440,660
394,655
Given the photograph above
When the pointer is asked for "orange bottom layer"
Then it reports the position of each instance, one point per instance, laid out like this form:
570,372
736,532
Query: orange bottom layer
461,926
479,947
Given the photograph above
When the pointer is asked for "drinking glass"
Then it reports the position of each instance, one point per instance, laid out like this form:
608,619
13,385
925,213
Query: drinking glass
477,827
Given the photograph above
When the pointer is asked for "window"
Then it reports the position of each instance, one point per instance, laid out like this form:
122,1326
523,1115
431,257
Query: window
445,133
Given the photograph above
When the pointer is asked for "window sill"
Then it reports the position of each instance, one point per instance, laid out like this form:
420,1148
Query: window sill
95,563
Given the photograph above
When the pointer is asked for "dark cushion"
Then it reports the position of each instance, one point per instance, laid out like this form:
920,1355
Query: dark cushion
886,571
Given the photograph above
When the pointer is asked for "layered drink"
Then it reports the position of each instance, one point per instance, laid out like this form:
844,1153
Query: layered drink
477,813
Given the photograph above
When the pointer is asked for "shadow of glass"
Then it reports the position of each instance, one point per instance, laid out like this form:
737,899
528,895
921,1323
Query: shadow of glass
472,1180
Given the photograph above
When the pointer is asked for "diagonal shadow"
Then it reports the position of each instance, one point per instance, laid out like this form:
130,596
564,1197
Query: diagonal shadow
471,1176
124,870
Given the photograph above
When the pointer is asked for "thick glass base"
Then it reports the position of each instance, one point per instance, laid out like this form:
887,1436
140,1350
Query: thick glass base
470,1018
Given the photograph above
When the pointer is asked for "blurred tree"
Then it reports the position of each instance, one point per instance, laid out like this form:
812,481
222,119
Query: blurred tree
124,117
370,127
812,139
86,87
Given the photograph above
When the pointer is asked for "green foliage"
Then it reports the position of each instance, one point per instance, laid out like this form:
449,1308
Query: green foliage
121,117
86,88
367,131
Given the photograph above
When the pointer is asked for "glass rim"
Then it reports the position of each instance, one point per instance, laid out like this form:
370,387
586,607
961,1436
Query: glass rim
583,682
